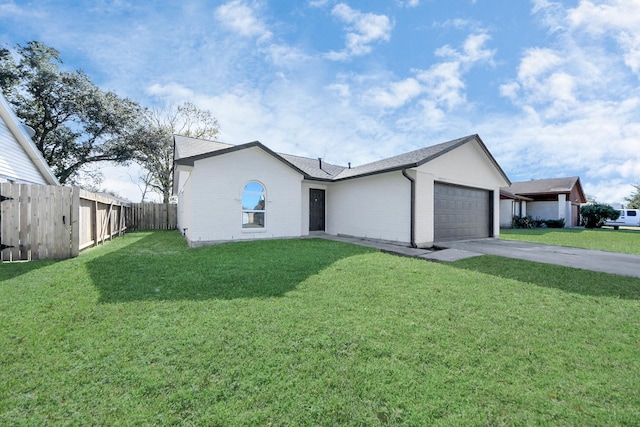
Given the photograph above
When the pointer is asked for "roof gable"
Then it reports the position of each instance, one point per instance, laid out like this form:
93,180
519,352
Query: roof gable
188,150
548,187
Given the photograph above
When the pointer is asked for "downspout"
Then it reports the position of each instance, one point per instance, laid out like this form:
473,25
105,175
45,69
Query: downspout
413,207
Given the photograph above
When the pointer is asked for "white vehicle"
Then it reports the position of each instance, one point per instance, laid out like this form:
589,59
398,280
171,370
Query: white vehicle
628,218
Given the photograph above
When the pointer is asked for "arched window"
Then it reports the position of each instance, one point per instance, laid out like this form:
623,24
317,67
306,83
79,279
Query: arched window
253,205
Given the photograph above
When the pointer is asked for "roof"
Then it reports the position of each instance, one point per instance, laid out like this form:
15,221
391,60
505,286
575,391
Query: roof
30,149
188,150
547,186
504,194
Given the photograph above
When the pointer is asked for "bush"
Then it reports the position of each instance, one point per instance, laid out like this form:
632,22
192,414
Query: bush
554,223
594,215
528,222
521,221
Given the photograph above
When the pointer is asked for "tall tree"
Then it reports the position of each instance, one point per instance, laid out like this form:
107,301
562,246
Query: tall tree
156,141
634,199
76,123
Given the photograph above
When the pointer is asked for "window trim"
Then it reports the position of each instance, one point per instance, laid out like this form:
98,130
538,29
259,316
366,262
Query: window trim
244,211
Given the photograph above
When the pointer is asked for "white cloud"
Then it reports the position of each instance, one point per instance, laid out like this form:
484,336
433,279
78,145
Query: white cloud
398,94
171,91
286,56
363,30
619,19
11,9
241,18
409,3
318,3
442,84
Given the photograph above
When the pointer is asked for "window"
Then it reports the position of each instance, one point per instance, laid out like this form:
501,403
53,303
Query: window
631,213
253,206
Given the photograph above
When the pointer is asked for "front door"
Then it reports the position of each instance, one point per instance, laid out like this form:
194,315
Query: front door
316,209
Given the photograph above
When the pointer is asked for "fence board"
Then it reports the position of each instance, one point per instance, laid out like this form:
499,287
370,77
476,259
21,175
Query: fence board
152,216
55,222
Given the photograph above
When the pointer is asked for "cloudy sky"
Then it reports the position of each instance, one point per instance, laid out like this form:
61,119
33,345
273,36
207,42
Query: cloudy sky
552,87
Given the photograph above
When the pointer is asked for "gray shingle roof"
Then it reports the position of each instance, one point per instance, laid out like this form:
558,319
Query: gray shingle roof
189,147
401,161
187,150
543,186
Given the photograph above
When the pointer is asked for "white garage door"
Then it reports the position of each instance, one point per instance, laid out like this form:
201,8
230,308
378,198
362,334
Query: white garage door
462,212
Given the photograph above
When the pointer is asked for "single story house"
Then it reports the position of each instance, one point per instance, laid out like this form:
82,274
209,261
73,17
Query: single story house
556,198
20,160
241,192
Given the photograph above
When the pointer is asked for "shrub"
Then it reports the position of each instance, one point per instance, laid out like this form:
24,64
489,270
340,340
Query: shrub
555,223
528,222
521,221
594,215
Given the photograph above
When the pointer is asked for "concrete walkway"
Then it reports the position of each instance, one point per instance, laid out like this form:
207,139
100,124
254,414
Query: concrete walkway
586,259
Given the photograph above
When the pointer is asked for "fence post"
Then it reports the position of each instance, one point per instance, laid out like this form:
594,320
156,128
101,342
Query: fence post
75,222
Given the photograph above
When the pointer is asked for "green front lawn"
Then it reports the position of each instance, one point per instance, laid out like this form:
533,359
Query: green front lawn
605,239
144,331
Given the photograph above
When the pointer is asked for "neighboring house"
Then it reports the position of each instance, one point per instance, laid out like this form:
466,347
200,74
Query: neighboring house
557,198
242,192
20,160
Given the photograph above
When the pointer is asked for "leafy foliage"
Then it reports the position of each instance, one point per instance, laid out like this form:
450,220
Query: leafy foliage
156,141
554,223
634,199
594,215
527,222
75,122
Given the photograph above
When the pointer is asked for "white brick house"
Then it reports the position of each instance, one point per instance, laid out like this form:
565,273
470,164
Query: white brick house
243,192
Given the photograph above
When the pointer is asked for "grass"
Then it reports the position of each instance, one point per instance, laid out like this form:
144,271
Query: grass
605,239
144,331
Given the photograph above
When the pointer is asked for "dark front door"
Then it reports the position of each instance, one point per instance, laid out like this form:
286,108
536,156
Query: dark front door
316,209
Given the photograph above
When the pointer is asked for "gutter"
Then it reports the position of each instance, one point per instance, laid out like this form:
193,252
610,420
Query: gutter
413,207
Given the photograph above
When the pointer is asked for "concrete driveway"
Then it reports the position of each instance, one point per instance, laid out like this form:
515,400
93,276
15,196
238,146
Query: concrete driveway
586,259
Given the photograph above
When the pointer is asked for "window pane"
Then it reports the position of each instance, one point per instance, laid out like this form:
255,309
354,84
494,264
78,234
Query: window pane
253,220
254,187
252,202
631,213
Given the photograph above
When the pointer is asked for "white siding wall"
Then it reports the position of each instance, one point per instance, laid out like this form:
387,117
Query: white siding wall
506,213
542,210
374,207
568,217
467,165
213,195
182,175
15,164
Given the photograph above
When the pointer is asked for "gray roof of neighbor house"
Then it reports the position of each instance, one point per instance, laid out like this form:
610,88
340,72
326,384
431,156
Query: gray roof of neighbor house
504,194
187,150
546,186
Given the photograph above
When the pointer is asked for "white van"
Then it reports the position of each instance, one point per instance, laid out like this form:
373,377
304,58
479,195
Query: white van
628,218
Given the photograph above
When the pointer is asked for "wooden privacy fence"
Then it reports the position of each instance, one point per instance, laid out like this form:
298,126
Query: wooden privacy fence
55,222
152,216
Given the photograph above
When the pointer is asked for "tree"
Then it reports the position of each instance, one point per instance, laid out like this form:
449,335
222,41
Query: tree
634,199
75,122
594,215
156,141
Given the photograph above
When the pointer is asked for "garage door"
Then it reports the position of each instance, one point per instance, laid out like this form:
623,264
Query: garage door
462,212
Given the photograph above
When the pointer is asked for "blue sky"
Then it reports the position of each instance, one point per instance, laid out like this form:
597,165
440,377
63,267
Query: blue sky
552,87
